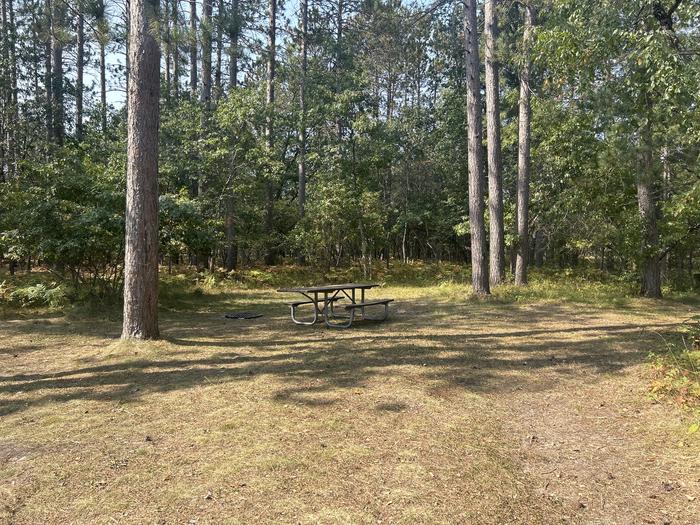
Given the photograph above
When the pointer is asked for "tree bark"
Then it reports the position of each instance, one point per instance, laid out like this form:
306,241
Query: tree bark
79,74
193,48
205,27
127,61
338,66
141,246
176,50
12,117
231,249
5,96
57,23
523,183
102,32
168,49
218,89
493,144
480,272
234,30
649,254
271,251
302,107
48,72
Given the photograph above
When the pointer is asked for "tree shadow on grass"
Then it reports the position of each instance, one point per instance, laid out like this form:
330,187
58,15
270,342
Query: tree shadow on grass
467,351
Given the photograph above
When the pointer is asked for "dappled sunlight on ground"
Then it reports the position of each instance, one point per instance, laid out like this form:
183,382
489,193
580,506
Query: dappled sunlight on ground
453,411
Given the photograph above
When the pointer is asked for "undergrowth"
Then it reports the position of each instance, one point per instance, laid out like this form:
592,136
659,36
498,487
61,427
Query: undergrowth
676,372
42,289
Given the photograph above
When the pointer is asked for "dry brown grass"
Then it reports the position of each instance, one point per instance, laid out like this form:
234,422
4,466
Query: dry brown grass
470,413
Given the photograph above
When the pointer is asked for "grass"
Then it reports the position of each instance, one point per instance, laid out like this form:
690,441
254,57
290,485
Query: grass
676,371
522,408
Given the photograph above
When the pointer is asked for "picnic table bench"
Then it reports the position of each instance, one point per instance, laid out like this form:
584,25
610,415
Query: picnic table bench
324,298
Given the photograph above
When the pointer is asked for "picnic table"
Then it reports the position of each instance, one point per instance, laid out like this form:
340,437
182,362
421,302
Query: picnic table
324,298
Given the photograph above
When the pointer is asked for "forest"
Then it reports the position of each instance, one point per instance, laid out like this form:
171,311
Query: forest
333,262
338,132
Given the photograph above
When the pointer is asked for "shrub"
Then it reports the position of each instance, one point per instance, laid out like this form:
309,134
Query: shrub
40,294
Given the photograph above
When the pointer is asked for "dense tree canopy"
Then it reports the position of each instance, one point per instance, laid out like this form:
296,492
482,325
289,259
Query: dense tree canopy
341,136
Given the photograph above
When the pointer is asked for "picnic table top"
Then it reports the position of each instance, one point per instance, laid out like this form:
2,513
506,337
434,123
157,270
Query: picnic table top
329,287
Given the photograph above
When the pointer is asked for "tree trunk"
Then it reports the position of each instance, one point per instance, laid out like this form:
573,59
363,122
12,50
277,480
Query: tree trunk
234,30
168,50
176,50
337,67
218,89
57,23
48,73
229,201
205,93
523,184
141,246
5,96
493,143
650,267
127,60
480,269
231,251
271,251
193,48
302,110
79,75
540,248
205,27
13,109
102,36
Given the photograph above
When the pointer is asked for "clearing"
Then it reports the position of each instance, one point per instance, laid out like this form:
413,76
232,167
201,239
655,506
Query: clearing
476,412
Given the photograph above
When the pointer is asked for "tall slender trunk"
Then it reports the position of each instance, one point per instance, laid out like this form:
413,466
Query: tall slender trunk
271,252
480,269
103,88
338,66
141,246
205,93
193,48
176,49
79,74
218,89
666,192
302,106
48,72
102,33
523,184
229,200
205,27
493,144
13,116
57,23
35,53
234,30
646,178
168,50
128,43
5,96
231,250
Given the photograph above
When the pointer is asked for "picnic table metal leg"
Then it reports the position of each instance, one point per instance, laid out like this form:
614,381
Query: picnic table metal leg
382,318
338,297
347,324
326,319
293,309
363,302
316,305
